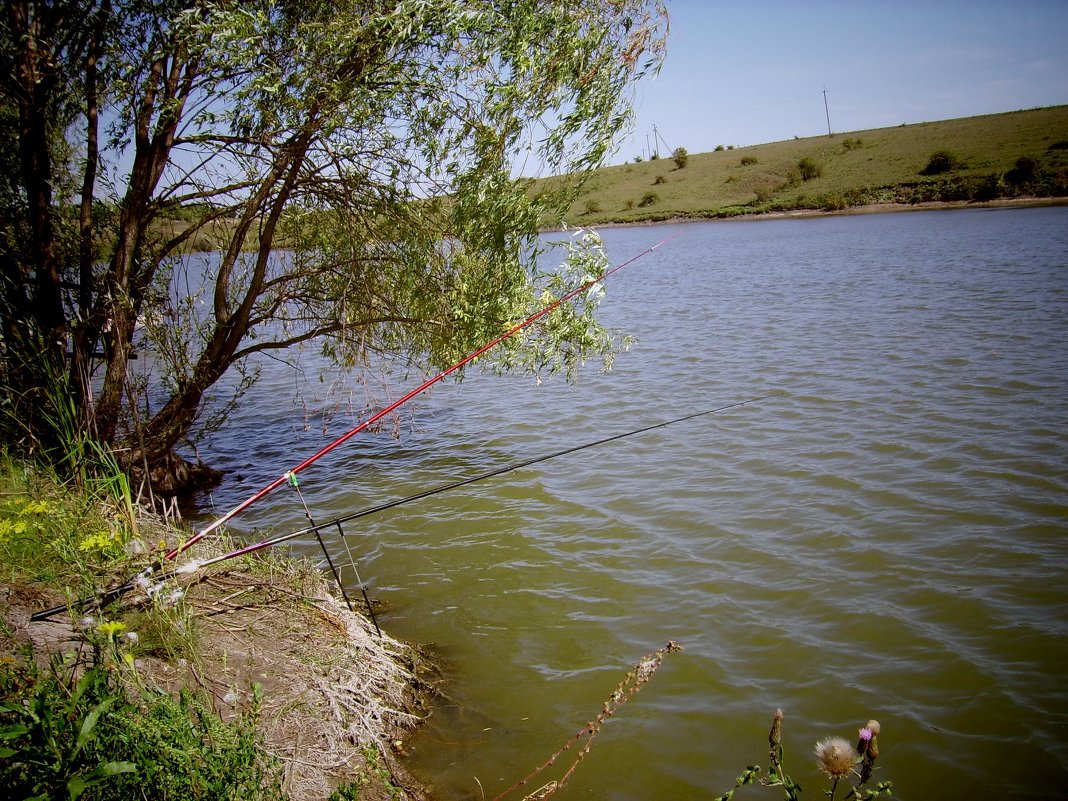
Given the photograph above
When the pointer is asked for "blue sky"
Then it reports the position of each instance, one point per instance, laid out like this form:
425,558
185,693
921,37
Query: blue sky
747,73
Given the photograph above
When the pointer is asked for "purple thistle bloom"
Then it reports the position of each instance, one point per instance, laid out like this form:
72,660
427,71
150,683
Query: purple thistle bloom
865,734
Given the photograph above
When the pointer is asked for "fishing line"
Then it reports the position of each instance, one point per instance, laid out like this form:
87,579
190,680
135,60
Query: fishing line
193,566
295,484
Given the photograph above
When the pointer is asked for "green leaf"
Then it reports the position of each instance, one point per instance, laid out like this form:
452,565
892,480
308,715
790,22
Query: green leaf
7,753
90,723
11,732
77,785
112,769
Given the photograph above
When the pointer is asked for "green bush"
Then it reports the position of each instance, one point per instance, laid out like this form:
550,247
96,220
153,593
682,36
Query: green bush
1023,173
648,199
955,189
832,201
941,161
853,144
680,156
987,188
660,179
748,160
70,730
592,206
720,148
809,168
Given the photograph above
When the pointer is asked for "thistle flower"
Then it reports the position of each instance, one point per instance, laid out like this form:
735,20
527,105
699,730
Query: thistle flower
870,751
775,735
835,757
864,740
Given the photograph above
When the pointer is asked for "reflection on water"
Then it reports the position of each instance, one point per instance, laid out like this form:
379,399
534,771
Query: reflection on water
885,537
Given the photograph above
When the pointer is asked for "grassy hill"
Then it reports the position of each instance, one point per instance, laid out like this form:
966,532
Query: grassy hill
1020,153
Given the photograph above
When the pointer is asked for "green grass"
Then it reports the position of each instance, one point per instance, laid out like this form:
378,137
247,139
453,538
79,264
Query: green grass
883,167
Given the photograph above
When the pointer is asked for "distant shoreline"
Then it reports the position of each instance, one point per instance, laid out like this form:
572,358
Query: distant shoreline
872,208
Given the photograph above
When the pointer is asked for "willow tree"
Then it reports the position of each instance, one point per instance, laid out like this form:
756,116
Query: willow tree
351,163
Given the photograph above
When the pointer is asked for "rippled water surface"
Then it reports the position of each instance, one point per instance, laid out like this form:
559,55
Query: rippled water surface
886,536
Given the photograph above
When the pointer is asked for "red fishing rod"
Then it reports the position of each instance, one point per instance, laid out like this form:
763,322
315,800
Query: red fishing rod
290,475
285,477
316,529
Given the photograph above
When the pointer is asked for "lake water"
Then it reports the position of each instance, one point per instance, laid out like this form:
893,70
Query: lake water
885,537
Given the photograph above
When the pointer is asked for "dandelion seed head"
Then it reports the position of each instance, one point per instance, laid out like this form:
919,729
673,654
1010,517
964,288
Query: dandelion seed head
874,727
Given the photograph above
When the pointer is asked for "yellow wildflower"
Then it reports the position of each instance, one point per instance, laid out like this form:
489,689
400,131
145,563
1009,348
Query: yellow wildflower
111,628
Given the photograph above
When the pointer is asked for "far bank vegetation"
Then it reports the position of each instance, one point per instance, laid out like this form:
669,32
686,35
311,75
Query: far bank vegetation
1018,154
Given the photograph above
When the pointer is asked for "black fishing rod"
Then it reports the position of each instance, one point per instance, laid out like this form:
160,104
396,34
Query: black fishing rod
316,529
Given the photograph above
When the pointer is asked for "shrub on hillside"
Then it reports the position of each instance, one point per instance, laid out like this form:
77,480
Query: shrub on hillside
809,168
1023,173
747,160
680,156
592,207
660,179
941,161
648,199
853,144
720,148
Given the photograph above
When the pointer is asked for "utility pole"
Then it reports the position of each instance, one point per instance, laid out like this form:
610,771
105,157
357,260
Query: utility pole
658,137
648,152
827,111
